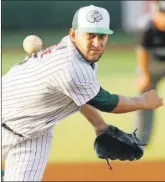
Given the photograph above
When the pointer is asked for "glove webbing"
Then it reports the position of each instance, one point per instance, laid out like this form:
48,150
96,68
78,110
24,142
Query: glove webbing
108,163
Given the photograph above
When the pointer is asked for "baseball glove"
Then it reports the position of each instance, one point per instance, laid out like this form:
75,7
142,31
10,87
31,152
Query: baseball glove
114,144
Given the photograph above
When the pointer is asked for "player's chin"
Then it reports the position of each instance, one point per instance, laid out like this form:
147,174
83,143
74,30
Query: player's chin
94,58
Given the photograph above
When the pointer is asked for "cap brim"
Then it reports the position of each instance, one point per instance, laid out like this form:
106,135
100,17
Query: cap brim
96,30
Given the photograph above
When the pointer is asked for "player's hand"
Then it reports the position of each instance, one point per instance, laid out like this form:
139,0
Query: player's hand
101,128
151,100
143,83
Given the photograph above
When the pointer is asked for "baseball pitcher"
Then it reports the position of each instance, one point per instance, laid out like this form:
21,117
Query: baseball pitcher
55,83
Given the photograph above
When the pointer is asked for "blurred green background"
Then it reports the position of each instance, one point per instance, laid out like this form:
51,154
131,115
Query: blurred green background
74,136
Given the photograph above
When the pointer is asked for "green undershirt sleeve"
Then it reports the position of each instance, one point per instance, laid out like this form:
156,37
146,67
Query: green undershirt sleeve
104,101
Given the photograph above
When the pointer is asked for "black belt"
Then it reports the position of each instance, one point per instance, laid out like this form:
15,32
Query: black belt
8,128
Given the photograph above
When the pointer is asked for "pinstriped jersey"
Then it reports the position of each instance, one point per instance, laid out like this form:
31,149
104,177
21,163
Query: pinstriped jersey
46,88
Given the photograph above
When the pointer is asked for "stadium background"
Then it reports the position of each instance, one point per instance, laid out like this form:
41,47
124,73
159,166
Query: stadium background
72,157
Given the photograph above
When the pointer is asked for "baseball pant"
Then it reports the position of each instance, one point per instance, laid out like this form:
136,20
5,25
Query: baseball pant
25,159
144,119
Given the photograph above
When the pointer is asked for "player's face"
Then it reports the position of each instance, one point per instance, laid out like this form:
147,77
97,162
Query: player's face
91,45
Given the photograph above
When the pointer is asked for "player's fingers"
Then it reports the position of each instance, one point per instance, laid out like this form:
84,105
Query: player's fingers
162,101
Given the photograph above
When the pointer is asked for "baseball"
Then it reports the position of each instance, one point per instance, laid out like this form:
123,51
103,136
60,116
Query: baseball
32,44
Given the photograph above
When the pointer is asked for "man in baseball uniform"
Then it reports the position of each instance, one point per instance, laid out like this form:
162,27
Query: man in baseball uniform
55,83
150,63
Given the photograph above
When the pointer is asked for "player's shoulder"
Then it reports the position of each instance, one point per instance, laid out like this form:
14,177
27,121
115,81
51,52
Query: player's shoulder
80,72
79,66
56,50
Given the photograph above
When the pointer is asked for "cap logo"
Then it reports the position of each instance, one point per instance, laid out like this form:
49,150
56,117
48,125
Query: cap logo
94,16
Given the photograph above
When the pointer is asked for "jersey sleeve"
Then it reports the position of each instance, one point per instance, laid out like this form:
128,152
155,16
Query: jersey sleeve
79,82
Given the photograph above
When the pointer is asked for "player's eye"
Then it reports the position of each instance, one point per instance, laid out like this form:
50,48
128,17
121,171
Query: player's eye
93,35
102,36
90,35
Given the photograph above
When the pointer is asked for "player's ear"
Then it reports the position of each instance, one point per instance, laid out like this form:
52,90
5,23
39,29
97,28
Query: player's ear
72,34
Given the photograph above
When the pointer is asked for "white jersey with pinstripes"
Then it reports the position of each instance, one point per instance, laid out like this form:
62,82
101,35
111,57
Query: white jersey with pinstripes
45,89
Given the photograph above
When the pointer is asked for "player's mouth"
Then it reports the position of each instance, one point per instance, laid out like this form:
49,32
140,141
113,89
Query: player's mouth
95,51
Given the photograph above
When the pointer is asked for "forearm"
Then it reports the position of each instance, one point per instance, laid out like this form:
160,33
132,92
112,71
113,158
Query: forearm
143,60
128,104
93,116
113,103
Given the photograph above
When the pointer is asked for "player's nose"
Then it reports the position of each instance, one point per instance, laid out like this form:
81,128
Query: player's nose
96,42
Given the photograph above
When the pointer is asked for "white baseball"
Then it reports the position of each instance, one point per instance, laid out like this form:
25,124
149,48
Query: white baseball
32,44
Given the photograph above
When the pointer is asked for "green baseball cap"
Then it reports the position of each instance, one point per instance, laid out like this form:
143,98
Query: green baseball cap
92,19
